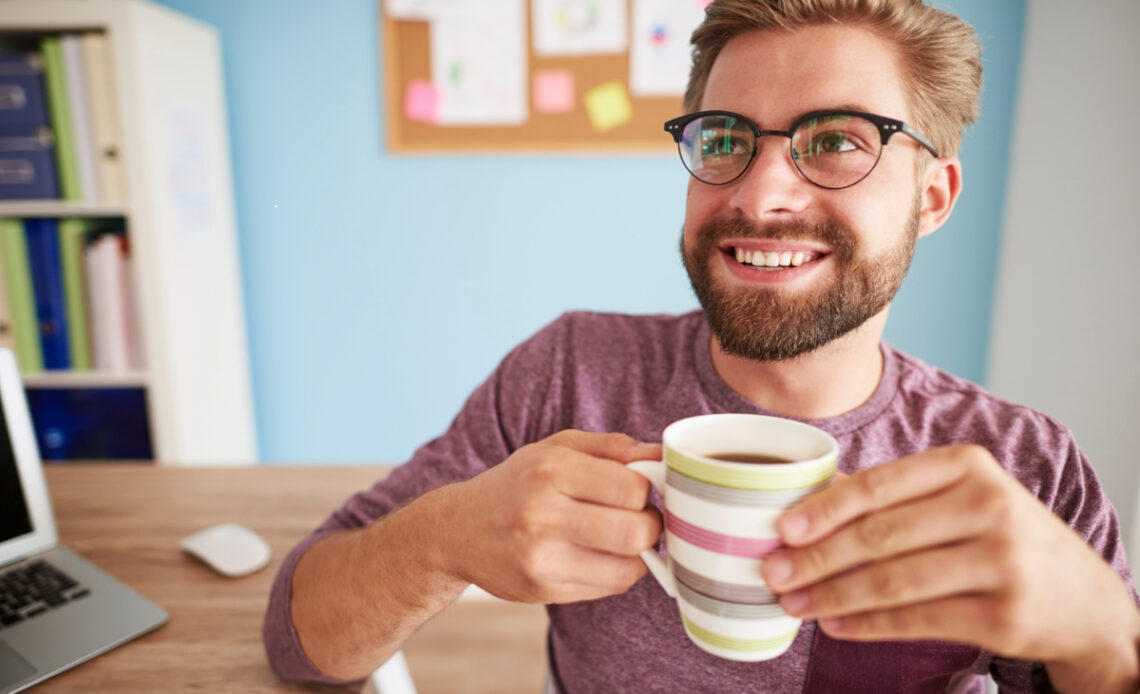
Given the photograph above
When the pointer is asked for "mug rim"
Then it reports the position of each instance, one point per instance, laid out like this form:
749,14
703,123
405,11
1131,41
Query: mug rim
746,476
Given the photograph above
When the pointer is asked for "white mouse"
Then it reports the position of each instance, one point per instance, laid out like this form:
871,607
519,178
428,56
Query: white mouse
230,549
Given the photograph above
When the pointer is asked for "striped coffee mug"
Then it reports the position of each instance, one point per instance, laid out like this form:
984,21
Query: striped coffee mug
720,523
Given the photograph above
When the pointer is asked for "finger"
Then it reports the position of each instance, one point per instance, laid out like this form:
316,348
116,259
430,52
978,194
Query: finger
953,570
584,574
584,477
952,515
614,531
965,619
877,488
611,445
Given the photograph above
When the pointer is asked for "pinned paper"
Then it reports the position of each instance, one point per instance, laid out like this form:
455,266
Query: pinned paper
480,82
421,102
608,106
578,27
659,52
553,91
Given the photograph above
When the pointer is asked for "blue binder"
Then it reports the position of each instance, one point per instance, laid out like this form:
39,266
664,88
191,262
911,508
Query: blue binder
27,163
22,100
47,284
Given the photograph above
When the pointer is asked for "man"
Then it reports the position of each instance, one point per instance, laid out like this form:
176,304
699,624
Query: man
969,535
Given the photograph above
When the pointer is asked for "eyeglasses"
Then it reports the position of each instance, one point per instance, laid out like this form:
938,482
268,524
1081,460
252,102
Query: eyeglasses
831,149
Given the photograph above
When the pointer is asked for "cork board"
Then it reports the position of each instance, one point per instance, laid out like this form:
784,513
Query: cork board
406,59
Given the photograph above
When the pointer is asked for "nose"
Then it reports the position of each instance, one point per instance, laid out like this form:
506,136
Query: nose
771,187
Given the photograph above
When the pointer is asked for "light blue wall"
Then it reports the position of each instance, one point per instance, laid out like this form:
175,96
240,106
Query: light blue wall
380,289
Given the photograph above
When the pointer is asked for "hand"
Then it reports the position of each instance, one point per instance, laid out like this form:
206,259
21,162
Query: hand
560,520
945,545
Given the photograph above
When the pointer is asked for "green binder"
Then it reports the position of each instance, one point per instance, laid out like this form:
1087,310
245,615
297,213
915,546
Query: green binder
71,234
21,300
60,108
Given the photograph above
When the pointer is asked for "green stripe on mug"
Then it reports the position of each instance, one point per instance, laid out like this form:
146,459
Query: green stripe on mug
729,643
761,477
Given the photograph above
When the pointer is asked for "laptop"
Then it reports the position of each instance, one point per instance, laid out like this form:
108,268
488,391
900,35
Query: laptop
56,608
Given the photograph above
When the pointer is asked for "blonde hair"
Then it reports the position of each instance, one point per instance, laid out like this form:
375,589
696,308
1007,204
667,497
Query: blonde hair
939,53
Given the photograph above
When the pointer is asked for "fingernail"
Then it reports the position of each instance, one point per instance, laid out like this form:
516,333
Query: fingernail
794,526
777,569
794,603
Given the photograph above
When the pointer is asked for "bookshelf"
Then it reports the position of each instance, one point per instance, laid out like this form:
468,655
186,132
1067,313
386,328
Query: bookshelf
177,209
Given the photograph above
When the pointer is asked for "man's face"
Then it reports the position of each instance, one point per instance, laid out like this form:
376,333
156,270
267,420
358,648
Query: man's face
855,244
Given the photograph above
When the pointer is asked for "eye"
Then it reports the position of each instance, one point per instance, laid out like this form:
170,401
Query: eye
834,142
722,143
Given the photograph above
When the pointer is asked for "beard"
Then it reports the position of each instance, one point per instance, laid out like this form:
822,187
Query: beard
770,324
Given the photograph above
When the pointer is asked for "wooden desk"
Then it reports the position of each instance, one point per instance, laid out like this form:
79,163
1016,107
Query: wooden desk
129,518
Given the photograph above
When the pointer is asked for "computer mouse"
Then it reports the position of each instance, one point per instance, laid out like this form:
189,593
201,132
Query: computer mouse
230,549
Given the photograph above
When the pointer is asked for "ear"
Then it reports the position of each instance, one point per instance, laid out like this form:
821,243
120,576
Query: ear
941,185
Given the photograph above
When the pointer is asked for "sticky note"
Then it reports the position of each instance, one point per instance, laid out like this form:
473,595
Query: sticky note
608,106
421,102
553,91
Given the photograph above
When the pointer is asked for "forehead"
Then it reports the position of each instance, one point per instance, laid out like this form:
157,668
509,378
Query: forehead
773,76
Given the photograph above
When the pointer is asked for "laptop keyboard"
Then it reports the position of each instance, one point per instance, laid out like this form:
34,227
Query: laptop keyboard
33,589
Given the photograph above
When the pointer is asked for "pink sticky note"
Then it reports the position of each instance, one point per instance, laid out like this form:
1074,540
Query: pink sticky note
553,91
421,102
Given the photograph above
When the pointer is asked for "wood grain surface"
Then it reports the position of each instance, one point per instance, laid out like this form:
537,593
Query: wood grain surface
129,518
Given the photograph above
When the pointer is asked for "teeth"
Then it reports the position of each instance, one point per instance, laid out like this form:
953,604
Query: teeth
773,259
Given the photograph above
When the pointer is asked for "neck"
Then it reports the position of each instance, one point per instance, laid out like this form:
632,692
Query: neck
832,380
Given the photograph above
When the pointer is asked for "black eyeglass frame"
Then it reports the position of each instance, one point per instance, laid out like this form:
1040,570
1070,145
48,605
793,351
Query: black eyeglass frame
886,126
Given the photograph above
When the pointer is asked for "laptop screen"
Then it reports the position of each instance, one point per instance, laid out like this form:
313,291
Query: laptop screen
14,518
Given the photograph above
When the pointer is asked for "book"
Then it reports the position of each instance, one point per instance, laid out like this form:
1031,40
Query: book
21,298
60,109
104,117
7,340
47,285
72,244
22,90
109,294
27,163
76,80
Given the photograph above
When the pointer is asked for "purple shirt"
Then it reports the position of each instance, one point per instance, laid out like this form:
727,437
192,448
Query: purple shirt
637,374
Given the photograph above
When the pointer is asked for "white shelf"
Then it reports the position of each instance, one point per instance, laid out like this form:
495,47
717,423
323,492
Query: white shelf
60,208
185,272
86,379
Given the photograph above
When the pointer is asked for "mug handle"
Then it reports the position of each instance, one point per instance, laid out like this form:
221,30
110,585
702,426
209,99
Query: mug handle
654,471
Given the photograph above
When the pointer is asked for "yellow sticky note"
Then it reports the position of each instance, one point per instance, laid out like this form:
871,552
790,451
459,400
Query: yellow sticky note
608,106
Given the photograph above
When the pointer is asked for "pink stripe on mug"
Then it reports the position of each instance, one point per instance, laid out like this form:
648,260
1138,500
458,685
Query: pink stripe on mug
717,542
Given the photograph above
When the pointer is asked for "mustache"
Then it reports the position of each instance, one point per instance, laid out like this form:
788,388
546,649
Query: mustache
829,232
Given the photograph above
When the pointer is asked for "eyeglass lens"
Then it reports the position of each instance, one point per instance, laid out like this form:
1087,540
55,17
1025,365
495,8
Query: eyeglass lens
833,151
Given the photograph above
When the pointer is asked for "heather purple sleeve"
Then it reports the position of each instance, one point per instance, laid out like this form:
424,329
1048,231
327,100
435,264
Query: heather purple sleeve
1059,474
511,408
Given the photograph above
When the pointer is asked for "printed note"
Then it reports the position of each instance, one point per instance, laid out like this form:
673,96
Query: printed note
579,27
659,54
481,80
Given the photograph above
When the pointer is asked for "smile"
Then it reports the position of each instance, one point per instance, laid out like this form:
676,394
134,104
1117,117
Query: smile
772,259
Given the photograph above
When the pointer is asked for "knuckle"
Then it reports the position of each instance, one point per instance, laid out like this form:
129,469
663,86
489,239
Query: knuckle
812,560
616,440
873,483
876,533
887,584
